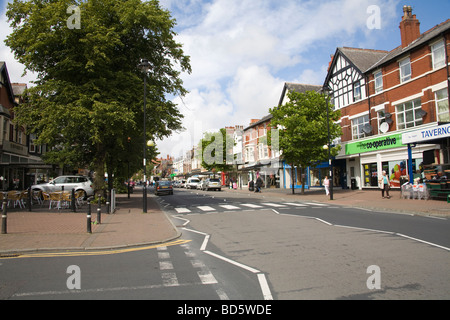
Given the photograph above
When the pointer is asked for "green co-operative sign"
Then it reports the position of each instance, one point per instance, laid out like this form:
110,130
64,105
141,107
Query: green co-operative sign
381,143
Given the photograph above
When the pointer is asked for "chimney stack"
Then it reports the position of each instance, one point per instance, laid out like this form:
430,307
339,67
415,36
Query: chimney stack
409,27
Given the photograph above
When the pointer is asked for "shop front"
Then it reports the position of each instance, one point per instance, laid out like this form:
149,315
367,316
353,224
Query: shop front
366,159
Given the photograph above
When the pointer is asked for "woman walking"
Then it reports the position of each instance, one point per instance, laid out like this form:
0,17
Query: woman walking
384,184
326,184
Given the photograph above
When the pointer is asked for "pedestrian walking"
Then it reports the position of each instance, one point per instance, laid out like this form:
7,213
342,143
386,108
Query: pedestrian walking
326,184
259,184
385,185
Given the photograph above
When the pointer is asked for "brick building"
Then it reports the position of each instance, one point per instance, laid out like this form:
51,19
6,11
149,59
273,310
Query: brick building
385,95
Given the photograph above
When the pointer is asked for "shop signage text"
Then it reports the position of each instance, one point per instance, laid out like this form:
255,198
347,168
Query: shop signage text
382,143
427,134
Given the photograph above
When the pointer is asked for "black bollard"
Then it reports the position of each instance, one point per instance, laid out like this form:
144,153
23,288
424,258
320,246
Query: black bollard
89,220
4,216
72,201
99,211
29,201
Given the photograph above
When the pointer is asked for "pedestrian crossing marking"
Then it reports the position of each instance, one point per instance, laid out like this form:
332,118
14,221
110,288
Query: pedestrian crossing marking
182,210
229,206
206,208
251,205
295,204
277,205
317,204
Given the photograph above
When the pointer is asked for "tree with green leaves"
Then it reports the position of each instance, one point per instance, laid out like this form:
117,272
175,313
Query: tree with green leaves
216,151
87,103
303,129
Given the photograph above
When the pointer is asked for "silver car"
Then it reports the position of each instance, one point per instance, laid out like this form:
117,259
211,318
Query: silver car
68,182
212,184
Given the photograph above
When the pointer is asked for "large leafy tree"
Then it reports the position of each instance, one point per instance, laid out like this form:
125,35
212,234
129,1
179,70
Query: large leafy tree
303,128
87,104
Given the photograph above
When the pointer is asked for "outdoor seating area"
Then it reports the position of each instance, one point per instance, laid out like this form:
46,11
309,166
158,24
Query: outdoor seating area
54,200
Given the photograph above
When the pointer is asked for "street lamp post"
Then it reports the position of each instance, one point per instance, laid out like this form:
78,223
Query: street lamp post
145,66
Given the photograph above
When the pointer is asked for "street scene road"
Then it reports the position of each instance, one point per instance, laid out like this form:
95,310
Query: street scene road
238,245
312,250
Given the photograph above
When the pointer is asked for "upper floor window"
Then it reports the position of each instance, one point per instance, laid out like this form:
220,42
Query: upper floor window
407,114
358,127
378,82
443,114
438,54
357,91
405,70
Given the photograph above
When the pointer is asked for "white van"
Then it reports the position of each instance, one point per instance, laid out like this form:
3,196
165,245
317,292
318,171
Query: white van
192,183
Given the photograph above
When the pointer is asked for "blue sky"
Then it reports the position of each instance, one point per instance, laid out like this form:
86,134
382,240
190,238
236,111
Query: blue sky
243,51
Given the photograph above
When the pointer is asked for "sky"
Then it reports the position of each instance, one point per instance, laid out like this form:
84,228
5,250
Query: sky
243,51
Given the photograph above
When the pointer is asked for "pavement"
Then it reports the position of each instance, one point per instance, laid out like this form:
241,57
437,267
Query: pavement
44,230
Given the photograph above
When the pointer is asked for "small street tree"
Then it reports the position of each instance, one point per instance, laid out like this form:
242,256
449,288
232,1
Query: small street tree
303,131
87,104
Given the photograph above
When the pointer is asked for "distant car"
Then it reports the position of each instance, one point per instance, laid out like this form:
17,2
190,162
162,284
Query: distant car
67,183
192,183
212,184
163,187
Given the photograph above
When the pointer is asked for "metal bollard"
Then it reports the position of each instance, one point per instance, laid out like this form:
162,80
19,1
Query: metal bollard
4,216
99,211
89,220
72,201
29,199
108,208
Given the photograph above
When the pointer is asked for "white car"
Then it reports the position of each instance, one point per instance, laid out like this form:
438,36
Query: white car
192,183
68,182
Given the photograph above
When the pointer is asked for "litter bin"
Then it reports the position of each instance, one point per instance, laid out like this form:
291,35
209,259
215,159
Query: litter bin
353,184
448,198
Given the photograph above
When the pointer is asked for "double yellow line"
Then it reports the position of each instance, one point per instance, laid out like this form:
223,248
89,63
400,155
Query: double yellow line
93,253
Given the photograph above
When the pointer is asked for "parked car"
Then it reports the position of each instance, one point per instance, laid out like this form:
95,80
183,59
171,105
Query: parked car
68,183
163,187
212,184
192,183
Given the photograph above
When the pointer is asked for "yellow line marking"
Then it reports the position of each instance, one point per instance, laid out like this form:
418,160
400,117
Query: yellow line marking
93,253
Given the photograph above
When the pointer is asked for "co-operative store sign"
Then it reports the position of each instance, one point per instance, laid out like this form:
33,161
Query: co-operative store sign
381,143
433,133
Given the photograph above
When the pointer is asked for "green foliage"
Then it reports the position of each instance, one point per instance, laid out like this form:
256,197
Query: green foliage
214,150
303,128
88,100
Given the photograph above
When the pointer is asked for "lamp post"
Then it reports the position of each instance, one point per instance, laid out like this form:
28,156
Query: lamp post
330,160
145,67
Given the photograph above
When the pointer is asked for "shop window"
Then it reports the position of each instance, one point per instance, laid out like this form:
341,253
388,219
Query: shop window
408,115
443,114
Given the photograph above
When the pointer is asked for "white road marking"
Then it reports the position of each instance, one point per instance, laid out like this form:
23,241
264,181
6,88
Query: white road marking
228,206
182,210
251,205
206,208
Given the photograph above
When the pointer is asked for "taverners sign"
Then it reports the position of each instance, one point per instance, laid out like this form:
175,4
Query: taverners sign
380,143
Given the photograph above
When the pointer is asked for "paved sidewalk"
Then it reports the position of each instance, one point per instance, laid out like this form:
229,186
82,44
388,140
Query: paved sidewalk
368,199
56,230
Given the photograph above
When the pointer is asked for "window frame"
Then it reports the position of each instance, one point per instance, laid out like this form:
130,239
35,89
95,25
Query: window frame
404,113
378,76
440,45
405,63
443,99
358,125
